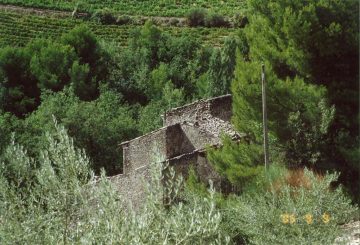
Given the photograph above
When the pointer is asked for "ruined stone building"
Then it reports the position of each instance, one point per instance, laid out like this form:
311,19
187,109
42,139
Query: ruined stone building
182,141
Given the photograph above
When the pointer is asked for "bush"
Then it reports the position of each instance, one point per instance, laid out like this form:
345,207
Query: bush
123,20
243,45
97,126
52,191
174,22
104,16
299,214
65,205
239,163
196,17
8,124
215,20
239,20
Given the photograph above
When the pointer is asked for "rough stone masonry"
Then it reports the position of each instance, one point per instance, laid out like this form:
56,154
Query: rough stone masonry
181,142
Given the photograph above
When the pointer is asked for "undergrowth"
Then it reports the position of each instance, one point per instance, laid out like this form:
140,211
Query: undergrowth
57,200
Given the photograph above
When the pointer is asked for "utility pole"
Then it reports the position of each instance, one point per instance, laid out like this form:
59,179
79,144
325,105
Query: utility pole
265,128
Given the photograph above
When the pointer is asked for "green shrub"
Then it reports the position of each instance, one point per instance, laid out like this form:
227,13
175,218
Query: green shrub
19,92
46,210
8,124
243,45
123,20
201,17
239,163
196,17
174,21
215,20
239,20
266,179
104,16
64,205
52,66
97,126
297,215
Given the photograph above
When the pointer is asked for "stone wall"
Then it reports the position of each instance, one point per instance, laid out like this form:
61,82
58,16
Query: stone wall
197,136
141,151
131,186
177,142
182,143
221,108
189,113
201,110
196,160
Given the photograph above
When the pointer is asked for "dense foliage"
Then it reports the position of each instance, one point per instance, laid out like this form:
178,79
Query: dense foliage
97,126
310,51
77,60
70,93
102,93
55,199
162,72
284,207
60,202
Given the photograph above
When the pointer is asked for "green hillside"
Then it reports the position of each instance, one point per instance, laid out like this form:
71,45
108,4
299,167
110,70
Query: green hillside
134,7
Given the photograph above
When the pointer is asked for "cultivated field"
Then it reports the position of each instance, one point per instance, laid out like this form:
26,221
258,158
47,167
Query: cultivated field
135,7
17,29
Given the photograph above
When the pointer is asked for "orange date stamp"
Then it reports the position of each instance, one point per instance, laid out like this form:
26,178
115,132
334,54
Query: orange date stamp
290,218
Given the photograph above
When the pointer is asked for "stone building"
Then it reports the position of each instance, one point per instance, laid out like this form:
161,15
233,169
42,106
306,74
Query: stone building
182,142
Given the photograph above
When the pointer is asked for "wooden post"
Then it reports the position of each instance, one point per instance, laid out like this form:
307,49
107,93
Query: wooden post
265,128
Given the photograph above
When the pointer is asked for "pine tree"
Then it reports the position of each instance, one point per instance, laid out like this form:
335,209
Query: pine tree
316,41
216,86
228,60
310,51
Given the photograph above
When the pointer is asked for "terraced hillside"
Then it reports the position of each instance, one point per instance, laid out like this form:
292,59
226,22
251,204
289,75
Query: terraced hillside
17,29
136,7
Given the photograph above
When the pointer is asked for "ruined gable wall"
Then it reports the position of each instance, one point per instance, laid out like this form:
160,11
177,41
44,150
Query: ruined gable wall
141,151
177,142
188,113
221,107
133,191
198,137
166,142
201,110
